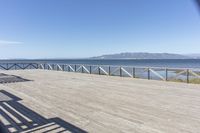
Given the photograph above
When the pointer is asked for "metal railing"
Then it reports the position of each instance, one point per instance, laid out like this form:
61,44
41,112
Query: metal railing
187,75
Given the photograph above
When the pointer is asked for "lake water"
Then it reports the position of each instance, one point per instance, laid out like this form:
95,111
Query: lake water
172,63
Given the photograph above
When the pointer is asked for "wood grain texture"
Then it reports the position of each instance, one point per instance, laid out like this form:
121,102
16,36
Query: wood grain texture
97,103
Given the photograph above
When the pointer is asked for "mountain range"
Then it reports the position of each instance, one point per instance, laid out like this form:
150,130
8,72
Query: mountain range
144,55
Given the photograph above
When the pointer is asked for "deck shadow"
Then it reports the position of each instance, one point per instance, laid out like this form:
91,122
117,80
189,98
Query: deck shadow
5,78
17,118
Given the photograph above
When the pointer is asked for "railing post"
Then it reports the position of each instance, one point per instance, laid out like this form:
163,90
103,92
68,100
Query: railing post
120,69
188,75
148,73
99,70
75,68
166,74
52,66
133,72
90,69
109,71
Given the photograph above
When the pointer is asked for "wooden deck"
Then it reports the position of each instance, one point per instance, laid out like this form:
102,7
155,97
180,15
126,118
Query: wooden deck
53,101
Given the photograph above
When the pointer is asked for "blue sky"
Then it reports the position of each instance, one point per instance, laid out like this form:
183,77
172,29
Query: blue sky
84,28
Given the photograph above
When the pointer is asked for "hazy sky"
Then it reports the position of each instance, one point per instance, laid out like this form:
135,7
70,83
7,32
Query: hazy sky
83,28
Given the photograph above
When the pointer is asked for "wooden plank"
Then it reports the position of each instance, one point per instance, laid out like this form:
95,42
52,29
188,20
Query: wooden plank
97,103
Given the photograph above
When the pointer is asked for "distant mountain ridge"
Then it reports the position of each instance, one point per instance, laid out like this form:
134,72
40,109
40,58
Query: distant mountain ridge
143,55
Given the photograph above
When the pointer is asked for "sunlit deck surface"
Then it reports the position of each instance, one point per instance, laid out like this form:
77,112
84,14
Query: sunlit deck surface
54,101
